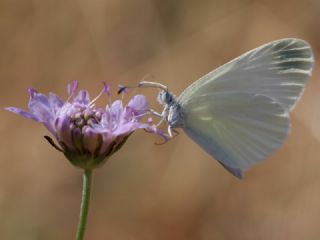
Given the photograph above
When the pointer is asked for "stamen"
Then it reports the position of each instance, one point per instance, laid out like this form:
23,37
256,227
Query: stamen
96,98
72,88
106,88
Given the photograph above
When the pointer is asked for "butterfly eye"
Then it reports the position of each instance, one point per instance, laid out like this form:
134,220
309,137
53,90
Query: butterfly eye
162,97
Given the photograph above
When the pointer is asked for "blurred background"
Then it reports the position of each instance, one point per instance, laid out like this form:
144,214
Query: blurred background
173,191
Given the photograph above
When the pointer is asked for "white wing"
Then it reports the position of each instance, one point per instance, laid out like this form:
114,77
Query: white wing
237,129
278,70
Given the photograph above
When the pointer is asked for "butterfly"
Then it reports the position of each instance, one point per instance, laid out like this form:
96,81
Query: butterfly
239,112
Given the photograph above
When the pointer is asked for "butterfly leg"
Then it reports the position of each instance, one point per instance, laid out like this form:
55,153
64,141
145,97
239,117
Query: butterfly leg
170,130
155,113
175,132
162,115
169,135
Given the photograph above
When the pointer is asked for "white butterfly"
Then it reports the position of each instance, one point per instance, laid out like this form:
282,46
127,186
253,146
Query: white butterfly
239,113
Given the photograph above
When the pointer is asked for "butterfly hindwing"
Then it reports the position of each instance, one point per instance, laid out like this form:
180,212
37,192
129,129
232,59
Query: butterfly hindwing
237,129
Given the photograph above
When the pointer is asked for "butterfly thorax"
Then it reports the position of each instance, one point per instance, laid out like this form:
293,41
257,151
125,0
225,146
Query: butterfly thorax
172,110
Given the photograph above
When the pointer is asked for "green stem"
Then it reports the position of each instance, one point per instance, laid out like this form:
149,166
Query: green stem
84,209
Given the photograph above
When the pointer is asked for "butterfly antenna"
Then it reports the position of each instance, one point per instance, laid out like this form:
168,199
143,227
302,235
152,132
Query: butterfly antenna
144,84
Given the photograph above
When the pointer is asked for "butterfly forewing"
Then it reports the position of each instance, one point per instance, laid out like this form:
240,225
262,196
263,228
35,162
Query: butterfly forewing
278,70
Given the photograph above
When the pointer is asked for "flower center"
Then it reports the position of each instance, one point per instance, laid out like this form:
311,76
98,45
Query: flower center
85,117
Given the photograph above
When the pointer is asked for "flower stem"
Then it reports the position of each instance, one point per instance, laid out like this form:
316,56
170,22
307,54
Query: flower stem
84,209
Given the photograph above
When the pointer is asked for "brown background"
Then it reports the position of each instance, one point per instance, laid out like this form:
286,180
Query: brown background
174,191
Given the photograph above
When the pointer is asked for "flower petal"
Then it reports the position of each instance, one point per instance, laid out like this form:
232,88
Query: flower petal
90,139
106,88
116,111
23,113
82,97
55,102
139,103
137,106
32,92
126,128
72,88
63,133
39,105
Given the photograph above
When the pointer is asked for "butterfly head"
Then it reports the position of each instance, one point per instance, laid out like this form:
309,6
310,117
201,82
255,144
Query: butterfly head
172,110
166,98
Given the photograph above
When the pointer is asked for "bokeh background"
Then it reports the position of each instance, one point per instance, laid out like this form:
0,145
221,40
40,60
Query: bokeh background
149,192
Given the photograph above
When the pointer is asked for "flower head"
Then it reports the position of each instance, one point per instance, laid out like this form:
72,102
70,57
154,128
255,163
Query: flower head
86,134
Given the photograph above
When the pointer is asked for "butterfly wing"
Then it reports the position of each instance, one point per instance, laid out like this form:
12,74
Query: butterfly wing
278,70
237,129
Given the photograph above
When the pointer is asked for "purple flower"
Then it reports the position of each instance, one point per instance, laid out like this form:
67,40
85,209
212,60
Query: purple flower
87,135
